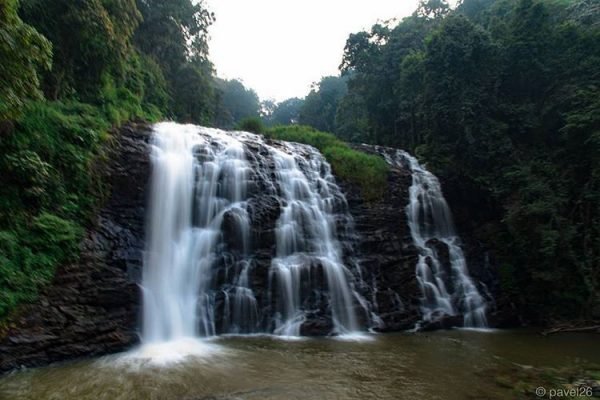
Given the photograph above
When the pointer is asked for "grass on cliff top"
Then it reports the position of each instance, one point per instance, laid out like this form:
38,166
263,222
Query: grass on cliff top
367,171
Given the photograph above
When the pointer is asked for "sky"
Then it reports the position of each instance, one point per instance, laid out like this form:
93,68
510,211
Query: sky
280,47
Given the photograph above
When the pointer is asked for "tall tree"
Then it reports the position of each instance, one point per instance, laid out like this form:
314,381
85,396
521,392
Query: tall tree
90,39
321,104
24,54
234,103
174,33
499,98
286,112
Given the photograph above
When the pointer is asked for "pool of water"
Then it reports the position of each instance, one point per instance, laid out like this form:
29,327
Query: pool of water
448,365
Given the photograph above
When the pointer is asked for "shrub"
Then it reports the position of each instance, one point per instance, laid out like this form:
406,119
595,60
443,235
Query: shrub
251,124
48,193
29,257
368,172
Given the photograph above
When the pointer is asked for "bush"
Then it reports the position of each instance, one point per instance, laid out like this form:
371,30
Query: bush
55,237
251,124
29,257
48,193
366,171
27,170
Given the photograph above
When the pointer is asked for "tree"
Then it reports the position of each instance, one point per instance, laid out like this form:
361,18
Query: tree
194,94
267,107
174,34
24,53
234,103
351,118
286,113
460,67
498,98
320,106
90,40
433,9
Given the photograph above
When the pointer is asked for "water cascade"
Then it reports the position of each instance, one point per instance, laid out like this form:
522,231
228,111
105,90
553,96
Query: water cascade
306,242
446,289
203,273
194,186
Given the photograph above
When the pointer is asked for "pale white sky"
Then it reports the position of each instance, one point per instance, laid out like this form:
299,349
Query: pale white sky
280,47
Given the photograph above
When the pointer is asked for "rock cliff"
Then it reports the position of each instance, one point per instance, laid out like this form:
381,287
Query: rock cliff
92,306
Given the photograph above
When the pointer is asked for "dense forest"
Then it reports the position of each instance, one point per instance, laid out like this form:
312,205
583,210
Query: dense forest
71,72
498,97
501,100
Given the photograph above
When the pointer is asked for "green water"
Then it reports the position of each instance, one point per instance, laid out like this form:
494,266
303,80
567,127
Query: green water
441,365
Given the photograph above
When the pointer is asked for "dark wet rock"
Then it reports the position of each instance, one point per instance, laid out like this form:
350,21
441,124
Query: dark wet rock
442,322
92,306
316,325
385,250
388,257
442,251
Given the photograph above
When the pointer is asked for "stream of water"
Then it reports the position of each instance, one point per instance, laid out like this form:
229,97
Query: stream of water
450,365
446,289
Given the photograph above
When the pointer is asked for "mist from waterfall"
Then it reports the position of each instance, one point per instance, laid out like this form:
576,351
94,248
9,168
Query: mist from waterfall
445,291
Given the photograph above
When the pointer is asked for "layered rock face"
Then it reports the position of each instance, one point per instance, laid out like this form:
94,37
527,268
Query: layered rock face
270,239
391,257
92,306
385,251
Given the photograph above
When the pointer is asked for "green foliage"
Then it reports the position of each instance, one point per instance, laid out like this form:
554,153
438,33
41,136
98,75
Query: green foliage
45,163
30,255
286,112
28,170
89,38
368,172
320,106
109,67
195,95
174,37
433,8
155,99
234,102
173,33
500,98
24,52
49,189
251,124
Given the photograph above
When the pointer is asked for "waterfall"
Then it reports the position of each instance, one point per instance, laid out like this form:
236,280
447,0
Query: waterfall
196,181
200,266
446,290
306,241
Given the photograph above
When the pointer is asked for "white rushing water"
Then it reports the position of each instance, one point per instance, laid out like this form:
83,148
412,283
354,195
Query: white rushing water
305,236
445,291
199,263
194,185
